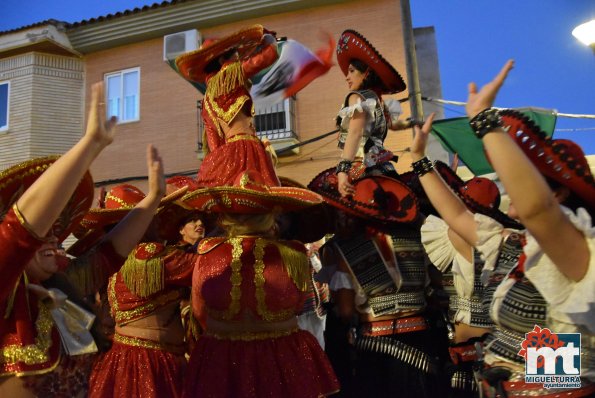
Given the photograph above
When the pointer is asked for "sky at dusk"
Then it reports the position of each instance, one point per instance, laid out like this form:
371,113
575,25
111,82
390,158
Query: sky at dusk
475,37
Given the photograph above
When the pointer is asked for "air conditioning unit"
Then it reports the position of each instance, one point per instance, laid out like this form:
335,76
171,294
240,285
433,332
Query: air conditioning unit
179,43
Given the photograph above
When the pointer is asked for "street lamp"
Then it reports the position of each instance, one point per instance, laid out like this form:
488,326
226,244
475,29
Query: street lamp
585,33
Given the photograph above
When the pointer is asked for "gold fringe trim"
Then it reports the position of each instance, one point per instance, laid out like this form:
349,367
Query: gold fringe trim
296,264
143,277
226,80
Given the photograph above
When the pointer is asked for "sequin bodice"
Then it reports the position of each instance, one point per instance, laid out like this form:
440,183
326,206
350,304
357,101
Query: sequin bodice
244,277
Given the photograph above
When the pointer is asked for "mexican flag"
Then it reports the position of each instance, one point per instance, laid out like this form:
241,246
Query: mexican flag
456,137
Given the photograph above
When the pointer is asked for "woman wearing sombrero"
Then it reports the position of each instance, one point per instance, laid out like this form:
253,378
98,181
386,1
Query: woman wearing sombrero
461,277
247,290
226,66
40,355
147,355
365,117
543,276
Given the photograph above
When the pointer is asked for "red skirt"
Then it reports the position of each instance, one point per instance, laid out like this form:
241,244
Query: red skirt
292,366
127,371
225,163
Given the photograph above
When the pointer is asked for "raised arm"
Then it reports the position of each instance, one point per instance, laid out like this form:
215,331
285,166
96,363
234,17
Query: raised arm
450,207
125,236
43,202
537,206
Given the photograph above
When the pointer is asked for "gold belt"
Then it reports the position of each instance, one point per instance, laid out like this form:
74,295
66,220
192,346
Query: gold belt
242,136
150,344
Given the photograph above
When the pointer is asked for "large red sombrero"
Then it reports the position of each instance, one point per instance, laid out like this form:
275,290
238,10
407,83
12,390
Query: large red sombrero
118,202
191,65
481,195
377,198
352,45
561,160
250,195
15,181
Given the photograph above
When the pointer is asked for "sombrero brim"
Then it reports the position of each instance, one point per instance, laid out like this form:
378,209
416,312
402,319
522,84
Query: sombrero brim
400,203
552,157
230,199
456,184
191,65
99,218
352,45
17,179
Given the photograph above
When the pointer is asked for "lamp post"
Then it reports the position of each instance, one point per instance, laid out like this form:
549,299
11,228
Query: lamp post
585,33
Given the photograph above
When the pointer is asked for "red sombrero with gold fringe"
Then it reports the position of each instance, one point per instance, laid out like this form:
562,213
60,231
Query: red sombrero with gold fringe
15,181
561,160
250,195
117,204
481,195
377,198
191,65
352,45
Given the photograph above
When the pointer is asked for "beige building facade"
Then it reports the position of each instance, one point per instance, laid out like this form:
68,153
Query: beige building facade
163,110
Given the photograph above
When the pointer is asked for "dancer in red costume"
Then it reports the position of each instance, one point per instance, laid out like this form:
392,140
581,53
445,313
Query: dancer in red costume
247,289
226,65
33,360
147,355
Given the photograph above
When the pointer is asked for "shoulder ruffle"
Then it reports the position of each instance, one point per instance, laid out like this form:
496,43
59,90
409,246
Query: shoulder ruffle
441,252
434,237
489,233
569,302
393,107
347,112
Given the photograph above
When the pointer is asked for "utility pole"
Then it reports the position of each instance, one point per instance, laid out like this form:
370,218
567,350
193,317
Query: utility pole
415,103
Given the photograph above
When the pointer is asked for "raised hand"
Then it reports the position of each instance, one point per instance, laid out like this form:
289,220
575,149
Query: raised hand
420,138
478,101
155,172
99,130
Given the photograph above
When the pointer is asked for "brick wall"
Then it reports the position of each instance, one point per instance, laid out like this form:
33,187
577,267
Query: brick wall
168,104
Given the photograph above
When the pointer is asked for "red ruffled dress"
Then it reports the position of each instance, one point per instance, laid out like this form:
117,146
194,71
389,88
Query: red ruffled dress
135,366
265,280
228,94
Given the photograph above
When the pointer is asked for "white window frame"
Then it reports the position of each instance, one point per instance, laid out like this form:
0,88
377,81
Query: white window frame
5,128
121,73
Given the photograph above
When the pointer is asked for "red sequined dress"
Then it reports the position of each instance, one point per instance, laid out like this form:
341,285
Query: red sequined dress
227,95
150,284
29,341
242,282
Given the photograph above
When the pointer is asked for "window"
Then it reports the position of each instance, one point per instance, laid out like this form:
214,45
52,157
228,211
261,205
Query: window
4,96
123,95
276,122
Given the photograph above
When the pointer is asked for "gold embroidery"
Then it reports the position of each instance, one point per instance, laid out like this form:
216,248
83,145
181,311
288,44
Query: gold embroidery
236,281
144,343
250,336
243,137
36,353
259,281
296,264
144,277
119,201
122,317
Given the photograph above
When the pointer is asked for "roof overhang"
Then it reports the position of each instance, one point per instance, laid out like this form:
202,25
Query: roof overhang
134,26
48,38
